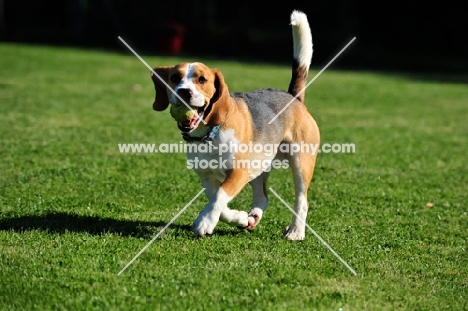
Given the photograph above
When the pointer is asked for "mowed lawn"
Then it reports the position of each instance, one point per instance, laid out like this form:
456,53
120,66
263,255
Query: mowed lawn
74,210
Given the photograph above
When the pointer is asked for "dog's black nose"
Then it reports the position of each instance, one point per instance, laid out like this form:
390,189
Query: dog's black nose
186,94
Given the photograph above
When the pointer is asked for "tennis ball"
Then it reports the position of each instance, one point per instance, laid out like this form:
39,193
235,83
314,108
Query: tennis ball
181,113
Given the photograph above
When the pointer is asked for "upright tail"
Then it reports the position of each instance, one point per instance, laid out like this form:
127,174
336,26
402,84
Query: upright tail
303,48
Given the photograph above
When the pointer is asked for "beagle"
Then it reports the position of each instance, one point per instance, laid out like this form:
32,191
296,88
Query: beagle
222,118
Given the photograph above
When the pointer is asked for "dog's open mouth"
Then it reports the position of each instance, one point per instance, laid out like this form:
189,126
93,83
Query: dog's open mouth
190,125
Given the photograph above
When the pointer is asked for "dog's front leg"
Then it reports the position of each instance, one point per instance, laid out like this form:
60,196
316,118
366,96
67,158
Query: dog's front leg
217,206
209,216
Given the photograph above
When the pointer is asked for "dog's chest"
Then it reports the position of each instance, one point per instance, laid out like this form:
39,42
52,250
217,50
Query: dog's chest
213,159
225,152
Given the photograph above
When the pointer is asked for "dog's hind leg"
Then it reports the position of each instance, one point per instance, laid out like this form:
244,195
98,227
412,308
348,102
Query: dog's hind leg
260,200
302,165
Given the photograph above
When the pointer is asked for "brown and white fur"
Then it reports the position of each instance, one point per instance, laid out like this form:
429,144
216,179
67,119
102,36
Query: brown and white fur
244,118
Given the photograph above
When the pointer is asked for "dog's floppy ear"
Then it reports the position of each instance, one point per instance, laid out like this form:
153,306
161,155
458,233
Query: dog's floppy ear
161,102
221,102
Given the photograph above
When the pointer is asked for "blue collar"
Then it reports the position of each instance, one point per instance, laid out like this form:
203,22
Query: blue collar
212,133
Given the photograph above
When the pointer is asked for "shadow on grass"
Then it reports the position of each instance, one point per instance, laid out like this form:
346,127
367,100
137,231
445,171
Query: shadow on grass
66,222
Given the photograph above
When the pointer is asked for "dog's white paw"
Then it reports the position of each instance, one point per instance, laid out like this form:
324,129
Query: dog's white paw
243,218
294,234
205,224
253,218
234,217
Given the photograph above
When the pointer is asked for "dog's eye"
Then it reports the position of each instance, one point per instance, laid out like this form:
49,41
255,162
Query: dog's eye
202,80
175,78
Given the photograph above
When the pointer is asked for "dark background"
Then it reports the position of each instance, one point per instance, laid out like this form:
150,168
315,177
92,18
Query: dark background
410,36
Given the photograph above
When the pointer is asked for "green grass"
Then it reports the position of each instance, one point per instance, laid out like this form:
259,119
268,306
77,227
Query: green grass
74,211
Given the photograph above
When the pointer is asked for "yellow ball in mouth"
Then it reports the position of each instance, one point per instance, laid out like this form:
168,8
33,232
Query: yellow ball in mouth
181,113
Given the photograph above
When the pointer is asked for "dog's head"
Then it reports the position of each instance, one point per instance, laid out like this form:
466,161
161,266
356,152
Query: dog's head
201,88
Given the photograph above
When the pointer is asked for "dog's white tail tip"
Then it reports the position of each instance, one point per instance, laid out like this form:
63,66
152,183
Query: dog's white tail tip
297,17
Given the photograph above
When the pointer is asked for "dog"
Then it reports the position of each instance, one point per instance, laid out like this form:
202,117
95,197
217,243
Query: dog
222,118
